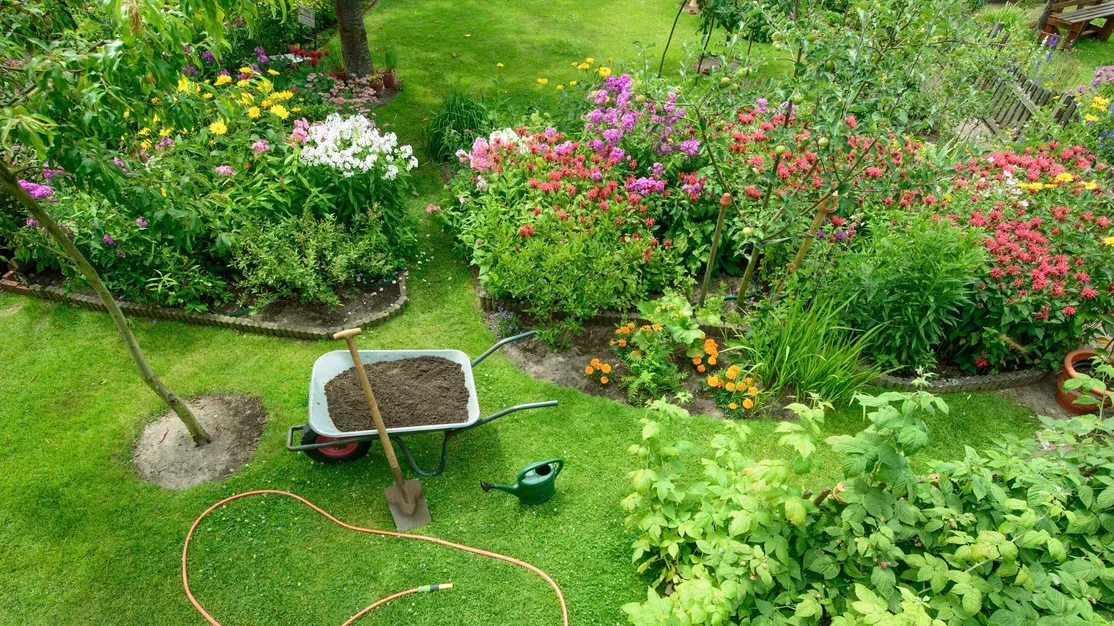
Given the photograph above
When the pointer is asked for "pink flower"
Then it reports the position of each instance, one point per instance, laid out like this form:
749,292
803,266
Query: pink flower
1089,293
433,208
141,222
1068,310
260,146
223,170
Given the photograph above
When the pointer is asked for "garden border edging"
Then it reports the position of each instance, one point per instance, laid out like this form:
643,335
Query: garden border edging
93,303
989,382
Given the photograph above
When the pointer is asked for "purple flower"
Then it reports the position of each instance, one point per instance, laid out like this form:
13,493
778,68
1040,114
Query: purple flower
141,222
189,70
36,191
208,57
120,164
33,224
119,253
840,235
49,173
187,49
109,240
224,72
241,76
763,105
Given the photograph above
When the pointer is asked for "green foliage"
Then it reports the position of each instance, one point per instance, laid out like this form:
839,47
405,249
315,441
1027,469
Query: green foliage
910,282
804,347
455,125
1017,533
311,259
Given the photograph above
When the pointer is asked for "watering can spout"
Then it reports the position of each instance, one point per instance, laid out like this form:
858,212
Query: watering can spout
511,489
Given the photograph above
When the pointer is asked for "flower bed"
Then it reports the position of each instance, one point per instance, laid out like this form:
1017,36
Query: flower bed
222,189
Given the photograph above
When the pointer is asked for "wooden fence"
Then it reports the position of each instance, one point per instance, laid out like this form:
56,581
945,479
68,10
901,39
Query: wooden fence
1016,98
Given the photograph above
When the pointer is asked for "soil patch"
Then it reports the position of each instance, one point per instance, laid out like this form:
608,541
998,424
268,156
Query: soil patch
422,391
356,303
166,456
1041,397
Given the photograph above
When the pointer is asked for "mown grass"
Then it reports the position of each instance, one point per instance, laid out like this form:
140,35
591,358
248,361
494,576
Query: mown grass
85,542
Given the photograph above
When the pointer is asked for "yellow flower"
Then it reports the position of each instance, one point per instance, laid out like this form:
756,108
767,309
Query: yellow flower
218,127
143,132
574,64
272,72
572,82
604,72
166,132
1089,185
127,112
280,111
1064,177
543,81
560,87
583,66
1091,118
207,95
296,109
500,65
245,70
243,82
145,144
753,391
1109,241
590,60
247,98
253,112
282,95
266,104
183,84
155,100
223,79
162,190
1100,104
266,86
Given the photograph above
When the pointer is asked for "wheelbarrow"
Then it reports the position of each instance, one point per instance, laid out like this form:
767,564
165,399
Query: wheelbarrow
322,441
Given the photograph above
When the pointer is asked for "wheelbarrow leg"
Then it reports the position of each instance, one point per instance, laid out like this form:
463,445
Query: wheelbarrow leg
414,464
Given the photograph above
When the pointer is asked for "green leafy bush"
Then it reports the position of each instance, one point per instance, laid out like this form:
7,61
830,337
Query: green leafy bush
1019,533
909,283
805,348
455,124
312,259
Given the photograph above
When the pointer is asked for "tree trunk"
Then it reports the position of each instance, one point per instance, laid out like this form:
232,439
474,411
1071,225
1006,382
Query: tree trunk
1042,22
182,409
353,37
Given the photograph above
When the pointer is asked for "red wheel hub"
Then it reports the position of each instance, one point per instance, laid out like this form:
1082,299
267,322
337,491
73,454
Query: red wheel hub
337,451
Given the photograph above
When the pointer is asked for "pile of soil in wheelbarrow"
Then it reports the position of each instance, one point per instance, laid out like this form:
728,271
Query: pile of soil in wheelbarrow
422,391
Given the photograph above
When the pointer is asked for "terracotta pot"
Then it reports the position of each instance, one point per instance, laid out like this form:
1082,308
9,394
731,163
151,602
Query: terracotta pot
1066,399
390,80
377,85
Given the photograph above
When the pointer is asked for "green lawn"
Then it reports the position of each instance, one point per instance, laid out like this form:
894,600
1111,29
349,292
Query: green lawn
85,542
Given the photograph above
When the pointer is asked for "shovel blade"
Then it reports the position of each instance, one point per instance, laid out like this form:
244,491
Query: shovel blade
407,504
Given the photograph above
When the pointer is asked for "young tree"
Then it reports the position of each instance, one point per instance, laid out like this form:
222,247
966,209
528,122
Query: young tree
70,76
353,37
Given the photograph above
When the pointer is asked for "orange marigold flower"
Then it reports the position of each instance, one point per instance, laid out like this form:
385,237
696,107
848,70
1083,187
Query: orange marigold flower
657,326
749,380
700,368
588,371
753,391
603,380
696,360
713,381
748,404
731,373
636,353
730,387
612,342
711,360
622,343
594,363
732,406
605,368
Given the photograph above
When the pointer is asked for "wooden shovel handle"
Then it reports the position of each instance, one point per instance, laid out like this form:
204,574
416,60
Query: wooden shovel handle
380,427
347,334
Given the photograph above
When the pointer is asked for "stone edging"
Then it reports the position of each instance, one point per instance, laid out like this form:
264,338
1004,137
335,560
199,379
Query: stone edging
996,382
56,294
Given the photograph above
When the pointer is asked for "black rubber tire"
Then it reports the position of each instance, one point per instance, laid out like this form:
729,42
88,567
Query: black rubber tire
359,452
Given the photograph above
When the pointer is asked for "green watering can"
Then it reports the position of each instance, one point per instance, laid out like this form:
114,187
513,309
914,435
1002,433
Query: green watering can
535,482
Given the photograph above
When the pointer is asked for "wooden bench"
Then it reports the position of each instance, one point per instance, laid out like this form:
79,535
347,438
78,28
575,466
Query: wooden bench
1077,23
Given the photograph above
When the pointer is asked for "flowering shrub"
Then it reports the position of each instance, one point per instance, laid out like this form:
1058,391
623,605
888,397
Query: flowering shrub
550,220
213,157
1041,215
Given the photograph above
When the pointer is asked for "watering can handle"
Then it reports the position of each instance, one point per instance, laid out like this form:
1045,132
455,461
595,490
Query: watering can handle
560,463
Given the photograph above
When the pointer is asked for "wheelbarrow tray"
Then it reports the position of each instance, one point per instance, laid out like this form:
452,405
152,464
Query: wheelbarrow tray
331,364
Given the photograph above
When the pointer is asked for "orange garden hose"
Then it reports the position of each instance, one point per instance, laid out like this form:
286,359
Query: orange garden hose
359,529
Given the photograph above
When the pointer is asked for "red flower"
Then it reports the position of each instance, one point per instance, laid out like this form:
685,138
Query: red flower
1068,310
850,119
526,231
981,362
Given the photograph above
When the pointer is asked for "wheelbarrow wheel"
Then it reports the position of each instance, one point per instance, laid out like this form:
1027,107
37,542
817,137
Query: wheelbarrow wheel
335,454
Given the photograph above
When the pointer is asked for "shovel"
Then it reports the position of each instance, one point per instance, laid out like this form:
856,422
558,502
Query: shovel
405,498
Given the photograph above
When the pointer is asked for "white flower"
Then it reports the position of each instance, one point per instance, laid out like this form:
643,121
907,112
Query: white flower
354,145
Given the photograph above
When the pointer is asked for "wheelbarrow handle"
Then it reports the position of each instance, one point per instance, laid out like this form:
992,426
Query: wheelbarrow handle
501,343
